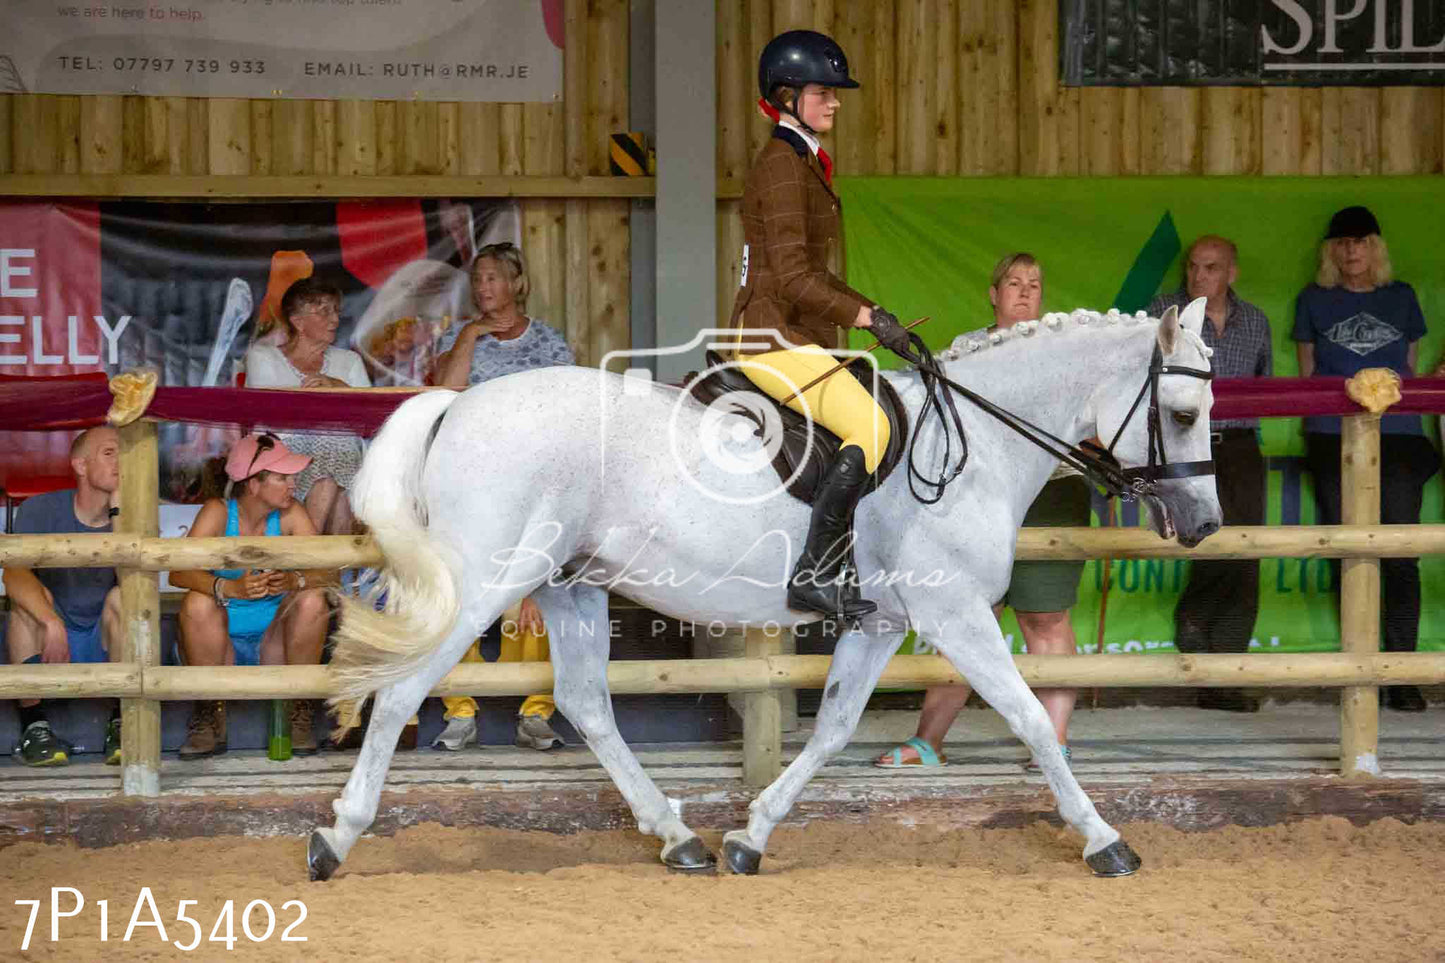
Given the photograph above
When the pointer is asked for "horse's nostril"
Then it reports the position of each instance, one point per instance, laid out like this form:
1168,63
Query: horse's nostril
1207,529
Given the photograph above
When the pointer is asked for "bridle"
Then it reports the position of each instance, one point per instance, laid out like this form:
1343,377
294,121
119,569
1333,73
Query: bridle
1099,465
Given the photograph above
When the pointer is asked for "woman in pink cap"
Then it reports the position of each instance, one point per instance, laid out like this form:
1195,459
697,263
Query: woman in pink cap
260,616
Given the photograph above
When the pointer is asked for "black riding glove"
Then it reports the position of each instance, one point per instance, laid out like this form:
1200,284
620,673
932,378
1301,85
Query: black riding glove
889,332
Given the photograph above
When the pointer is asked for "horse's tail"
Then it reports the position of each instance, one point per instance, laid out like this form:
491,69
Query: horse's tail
417,585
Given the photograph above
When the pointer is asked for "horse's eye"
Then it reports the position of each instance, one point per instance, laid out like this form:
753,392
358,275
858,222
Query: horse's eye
1185,418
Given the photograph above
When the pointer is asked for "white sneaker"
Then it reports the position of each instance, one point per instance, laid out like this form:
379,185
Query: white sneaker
458,733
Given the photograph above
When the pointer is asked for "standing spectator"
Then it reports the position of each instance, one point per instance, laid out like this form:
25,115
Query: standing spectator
257,616
60,615
1041,593
310,313
504,340
1354,316
1217,611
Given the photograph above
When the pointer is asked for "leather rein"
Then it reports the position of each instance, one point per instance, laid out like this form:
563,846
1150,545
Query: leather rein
1098,464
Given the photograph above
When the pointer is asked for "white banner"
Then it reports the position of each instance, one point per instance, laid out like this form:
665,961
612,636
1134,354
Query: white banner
470,50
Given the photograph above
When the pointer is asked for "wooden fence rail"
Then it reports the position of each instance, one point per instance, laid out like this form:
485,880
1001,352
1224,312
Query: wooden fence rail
142,683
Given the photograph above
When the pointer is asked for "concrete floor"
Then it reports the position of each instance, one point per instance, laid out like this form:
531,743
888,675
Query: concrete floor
1120,747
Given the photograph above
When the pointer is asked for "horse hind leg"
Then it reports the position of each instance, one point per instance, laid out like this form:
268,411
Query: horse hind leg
574,618
989,667
858,660
356,808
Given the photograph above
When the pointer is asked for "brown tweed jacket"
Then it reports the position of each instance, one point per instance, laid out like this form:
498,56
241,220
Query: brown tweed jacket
792,223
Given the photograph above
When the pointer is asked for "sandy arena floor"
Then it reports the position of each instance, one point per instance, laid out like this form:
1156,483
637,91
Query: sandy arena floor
1310,891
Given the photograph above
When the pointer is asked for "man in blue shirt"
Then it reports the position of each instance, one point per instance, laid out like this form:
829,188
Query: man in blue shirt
1355,316
60,615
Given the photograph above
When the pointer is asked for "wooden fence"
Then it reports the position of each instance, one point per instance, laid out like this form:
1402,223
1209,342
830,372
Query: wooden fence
142,683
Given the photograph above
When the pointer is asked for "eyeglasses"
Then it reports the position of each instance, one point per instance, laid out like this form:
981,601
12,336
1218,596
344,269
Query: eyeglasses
264,442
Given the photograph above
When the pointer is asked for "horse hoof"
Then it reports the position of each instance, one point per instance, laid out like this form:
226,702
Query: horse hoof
321,860
741,859
690,857
1116,859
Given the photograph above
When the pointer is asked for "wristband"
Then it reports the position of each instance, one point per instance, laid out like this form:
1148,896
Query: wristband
221,600
300,581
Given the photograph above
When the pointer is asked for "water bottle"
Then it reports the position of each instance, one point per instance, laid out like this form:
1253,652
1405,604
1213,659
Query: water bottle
278,731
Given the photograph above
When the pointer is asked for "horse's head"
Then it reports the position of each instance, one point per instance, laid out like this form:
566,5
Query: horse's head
1181,502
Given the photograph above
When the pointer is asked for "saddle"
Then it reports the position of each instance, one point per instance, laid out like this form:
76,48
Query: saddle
807,464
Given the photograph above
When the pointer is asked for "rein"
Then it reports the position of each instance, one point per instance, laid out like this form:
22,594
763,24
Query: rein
1097,464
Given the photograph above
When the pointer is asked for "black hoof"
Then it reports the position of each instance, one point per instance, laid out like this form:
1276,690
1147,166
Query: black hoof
1116,859
691,857
742,860
321,862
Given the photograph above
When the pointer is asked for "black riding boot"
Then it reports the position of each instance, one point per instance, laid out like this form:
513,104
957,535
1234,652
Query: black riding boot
822,581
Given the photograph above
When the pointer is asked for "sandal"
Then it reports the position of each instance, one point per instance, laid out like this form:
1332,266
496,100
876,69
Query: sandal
1032,766
927,757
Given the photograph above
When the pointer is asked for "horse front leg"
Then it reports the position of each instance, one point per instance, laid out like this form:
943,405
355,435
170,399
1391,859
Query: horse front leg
577,630
858,660
395,704
974,645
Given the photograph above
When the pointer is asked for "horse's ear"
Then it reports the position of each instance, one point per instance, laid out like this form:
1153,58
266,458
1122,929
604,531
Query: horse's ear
1169,331
1193,316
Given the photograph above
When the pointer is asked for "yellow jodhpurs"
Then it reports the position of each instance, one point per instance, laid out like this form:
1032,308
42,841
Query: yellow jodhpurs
838,403
518,645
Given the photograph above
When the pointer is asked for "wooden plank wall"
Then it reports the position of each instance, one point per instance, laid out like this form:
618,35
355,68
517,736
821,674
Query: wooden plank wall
951,87
577,250
970,87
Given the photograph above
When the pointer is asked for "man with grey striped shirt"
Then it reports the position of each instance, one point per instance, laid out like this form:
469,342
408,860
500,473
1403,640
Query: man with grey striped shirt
1217,611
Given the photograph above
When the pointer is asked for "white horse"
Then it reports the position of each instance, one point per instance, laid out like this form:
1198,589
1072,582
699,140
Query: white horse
564,482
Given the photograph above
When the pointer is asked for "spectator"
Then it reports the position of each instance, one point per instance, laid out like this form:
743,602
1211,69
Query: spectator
260,616
1217,611
502,341
1354,316
62,615
308,359
1041,593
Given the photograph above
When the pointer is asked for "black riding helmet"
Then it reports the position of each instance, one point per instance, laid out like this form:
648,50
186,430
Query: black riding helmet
798,58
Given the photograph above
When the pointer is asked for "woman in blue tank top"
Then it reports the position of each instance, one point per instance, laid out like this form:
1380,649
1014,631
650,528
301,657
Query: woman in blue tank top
257,616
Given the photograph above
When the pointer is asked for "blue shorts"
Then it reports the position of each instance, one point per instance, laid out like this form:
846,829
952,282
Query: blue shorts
247,622
85,643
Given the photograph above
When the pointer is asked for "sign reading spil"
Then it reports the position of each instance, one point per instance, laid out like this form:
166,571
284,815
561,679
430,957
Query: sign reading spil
1309,42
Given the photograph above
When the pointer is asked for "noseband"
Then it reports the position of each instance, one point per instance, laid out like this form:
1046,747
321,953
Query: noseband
1098,464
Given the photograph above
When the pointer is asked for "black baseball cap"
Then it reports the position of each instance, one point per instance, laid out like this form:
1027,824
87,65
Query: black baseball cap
1354,221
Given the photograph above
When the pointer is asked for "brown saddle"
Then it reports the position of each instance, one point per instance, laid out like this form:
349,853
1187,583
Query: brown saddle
806,464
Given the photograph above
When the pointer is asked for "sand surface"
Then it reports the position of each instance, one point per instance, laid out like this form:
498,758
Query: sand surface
1310,891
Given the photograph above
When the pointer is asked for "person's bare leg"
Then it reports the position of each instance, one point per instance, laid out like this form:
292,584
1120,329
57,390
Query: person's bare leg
205,637
299,631
25,638
110,625
1051,633
320,501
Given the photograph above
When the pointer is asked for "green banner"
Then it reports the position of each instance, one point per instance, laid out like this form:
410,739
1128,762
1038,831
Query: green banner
927,246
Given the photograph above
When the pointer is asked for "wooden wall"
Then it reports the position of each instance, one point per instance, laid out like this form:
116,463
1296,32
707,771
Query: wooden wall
951,87
969,87
577,249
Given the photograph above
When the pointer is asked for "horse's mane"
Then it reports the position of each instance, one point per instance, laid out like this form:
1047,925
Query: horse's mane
1055,322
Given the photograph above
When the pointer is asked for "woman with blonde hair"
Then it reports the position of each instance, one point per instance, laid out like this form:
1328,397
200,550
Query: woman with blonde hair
503,340
1355,316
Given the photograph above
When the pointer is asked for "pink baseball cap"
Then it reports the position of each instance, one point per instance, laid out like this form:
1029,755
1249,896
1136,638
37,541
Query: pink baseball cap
264,452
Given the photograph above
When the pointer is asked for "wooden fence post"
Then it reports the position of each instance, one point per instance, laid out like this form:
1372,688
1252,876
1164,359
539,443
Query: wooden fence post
140,607
1360,593
762,718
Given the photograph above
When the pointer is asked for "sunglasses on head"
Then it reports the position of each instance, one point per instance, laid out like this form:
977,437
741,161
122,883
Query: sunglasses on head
264,442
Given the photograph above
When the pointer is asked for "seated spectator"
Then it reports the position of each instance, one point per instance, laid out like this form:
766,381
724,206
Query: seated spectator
260,616
308,359
60,615
1356,316
1041,593
502,341
1217,610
